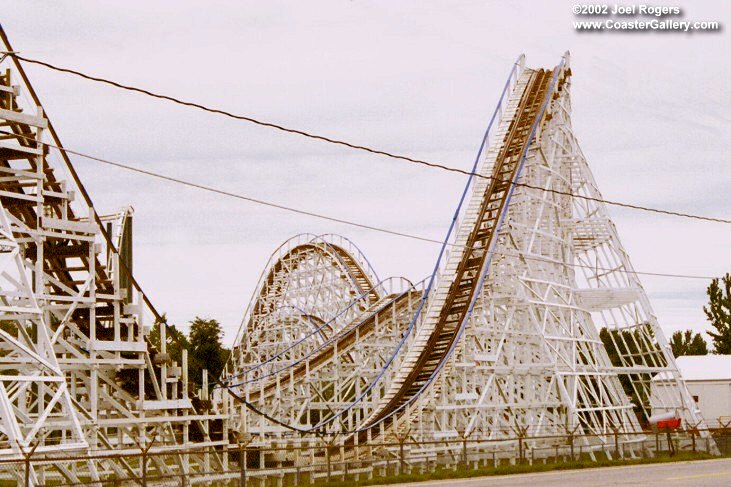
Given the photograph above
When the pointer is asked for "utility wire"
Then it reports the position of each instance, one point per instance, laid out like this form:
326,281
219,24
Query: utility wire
350,145
322,216
253,200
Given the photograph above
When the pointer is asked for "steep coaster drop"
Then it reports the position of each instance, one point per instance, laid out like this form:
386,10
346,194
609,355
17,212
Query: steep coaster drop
502,338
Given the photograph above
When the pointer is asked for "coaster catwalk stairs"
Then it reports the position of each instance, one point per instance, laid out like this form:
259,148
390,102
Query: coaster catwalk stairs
503,339
77,374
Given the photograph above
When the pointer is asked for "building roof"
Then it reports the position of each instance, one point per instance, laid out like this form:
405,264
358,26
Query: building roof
702,367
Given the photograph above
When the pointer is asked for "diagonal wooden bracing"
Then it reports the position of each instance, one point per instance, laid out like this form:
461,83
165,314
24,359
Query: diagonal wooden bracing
77,373
505,338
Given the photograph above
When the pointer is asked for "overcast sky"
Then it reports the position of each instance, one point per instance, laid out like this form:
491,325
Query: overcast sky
652,112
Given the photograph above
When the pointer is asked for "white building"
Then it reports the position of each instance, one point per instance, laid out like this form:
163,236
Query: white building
709,382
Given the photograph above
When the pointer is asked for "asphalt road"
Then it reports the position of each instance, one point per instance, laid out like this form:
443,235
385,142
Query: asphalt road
697,473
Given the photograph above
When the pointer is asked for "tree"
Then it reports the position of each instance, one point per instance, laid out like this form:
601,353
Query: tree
206,349
176,340
718,313
626,348
685,343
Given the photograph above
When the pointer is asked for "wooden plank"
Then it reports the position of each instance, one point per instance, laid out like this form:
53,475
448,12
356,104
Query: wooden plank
119,346
168,404
14,151
68,225
32,120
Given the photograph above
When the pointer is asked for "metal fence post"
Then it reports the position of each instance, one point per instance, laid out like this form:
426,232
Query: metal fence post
344,461
571,444
521,447
329,463
724,426
242,463
27,462
401,455
671,444
657,442
693,431
144,468
297,452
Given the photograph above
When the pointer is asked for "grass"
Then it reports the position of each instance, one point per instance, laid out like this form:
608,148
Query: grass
443,473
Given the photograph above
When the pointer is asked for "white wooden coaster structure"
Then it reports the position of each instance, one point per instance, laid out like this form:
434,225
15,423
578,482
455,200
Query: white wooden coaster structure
78,375
503,341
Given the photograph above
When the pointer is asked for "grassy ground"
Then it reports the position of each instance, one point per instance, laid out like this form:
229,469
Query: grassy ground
514,469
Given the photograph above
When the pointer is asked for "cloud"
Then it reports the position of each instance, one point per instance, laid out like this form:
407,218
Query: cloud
420,79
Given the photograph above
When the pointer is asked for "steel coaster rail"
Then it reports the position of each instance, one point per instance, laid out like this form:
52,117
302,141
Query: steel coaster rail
358,252
323,346
497,113
69,167
483,273
337,252
329,341
317,329
273,257
334,251
390,409
285,248
350,305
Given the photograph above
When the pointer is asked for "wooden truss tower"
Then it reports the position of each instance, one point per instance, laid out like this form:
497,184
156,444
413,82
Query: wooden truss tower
78,375
506,338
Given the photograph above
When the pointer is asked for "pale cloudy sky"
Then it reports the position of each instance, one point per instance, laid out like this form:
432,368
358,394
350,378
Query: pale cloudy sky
416,78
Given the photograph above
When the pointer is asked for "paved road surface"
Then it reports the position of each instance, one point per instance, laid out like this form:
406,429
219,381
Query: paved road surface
697,473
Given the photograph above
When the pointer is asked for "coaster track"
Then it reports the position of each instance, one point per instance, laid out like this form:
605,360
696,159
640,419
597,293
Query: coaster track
437,334
435,338
504,334
77,371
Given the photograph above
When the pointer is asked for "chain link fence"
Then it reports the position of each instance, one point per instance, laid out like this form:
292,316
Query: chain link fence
264,462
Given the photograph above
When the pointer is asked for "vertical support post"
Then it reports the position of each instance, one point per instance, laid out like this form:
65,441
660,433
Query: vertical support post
204,396
186,424
164,366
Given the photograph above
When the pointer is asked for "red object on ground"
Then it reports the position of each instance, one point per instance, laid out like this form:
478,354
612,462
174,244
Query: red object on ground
669,423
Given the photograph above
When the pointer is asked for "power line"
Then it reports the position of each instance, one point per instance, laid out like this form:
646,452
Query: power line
253,200
350,145
321,216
